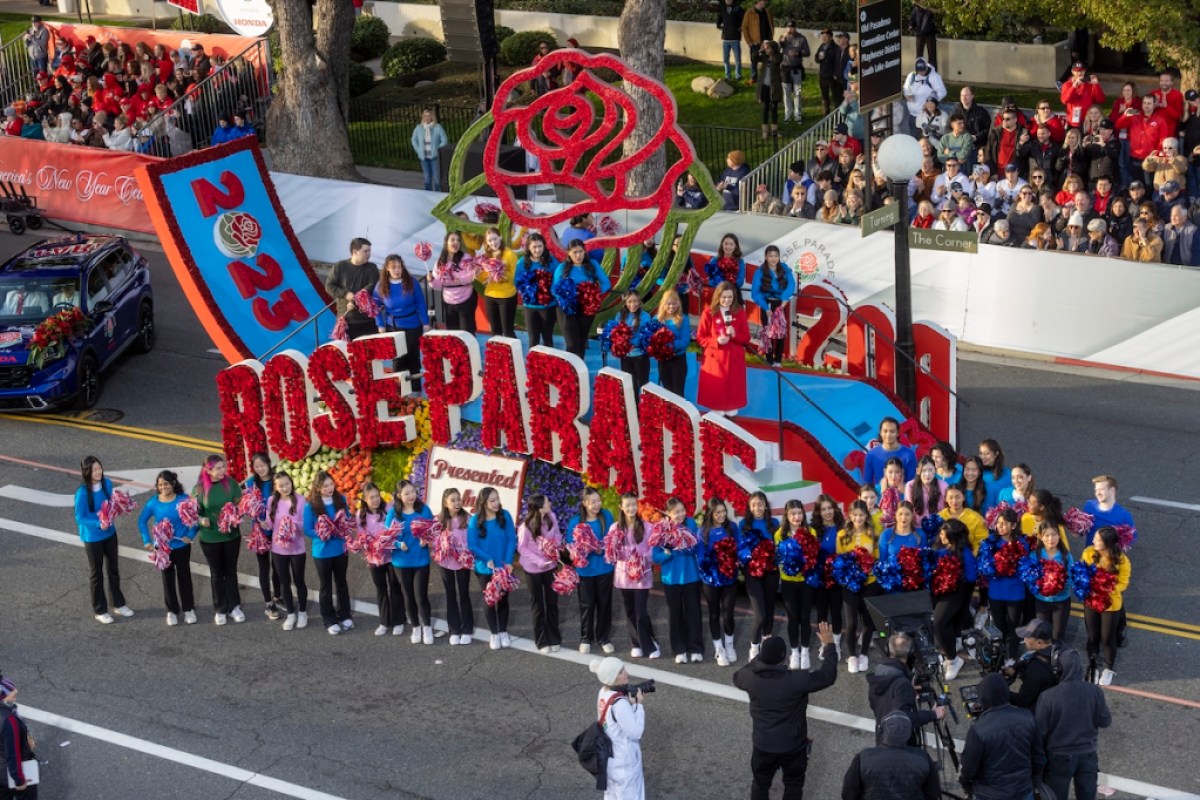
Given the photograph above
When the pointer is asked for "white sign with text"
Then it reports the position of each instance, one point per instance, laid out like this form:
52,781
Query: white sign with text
471,473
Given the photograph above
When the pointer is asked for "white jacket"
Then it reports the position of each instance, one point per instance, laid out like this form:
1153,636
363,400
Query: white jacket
119,140
918,87
624,725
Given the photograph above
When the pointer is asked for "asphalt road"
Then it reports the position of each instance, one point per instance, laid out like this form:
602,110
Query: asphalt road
359,717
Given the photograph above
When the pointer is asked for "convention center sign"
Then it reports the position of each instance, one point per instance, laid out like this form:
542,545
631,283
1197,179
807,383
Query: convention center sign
880,74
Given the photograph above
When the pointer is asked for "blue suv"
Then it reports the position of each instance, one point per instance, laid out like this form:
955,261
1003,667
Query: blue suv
105,278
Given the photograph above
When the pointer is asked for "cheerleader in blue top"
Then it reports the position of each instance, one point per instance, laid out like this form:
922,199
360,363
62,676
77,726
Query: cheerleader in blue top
774,285
719,584
580,268
1006,591
828,522
99,543
492,537
945,462
403,308
996,477
762,580
951,592
177,577
540,305
901,534
371,521
727,265
329,557
672,372
1053,608
410,559
681,583
636,362
262,478
595,579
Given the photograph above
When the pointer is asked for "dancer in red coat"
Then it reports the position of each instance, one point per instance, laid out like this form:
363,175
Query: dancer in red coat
724,334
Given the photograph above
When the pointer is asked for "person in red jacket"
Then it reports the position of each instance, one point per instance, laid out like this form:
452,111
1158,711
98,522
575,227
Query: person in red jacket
1146,132
724,334
1080,93
1169,101
1044,116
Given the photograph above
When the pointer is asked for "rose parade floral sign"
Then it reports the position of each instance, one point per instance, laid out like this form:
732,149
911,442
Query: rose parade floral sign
232,248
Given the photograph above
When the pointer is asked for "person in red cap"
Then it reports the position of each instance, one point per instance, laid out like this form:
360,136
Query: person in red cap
66,67
1080,93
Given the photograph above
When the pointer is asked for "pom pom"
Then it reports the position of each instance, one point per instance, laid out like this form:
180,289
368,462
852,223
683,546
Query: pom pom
725,551
341,331
377,550
425,531
912,568
608,226
947,574
285,530
776,328
931,524
423,251
1078,522
365,303
1081,579
589,297
566,580
257,541
723,269
614,545
662,344
567,294
1100,597
790,557
503,581
617,338
846,572
229,518
251,503
1126,535
189,511
993,514
324,528
534,287
636,567
118,505
762,559
1054,578
584,543
160,536
1008,556
484,211
1029,570
889,501
888,575
548,547
492,268
645,333
671,535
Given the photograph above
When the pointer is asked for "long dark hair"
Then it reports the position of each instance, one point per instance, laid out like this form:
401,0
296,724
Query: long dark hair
998,463
766,273
171,478
533,515
785,526
956,534
445,256
444,515
398,504
1112,548
318,503
625,314
1051,508
544,261
481,510
588,266
273,507
639,527
1009,515
266,459
977,496
748,518
737,246
710,508
935,491
583,513
849,531
385,280
85,471
839,520
363,511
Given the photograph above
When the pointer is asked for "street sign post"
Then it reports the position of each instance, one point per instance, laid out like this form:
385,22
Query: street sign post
879,219
952,241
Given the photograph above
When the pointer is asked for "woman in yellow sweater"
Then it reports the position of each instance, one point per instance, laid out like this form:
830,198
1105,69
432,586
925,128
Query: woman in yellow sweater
499,292
1105,555
859,532
956,508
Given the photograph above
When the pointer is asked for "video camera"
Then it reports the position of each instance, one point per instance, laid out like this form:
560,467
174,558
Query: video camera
631,689
912,613
988,646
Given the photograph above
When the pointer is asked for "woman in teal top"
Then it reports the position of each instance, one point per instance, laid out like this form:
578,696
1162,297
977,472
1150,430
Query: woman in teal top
672,372
177,577
681,583
329,555
492,537
595,579
774,285
579,268
99,543
410,559
534,266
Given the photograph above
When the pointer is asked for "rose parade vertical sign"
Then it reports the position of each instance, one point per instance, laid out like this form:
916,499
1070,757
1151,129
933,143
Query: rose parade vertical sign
233,250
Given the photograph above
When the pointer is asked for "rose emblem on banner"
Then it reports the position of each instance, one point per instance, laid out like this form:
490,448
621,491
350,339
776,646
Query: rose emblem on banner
237,234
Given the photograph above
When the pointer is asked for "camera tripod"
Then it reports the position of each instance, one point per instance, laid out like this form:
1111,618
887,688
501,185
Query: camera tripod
943,739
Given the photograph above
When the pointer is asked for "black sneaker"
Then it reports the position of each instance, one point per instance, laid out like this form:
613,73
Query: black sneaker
272,611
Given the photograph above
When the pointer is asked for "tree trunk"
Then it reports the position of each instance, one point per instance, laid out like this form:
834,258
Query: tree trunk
641,37
306,124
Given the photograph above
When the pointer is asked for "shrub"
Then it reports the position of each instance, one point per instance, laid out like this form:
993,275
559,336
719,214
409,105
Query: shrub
369,39
503,32
362,79
200,23
407,56
519,49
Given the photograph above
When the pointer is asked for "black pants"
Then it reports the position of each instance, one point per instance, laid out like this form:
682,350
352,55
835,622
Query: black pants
102,557
770,107
721,600
460,617
414,582
1081,769
775,354
829,606
798,600
857,627
222,558
1006,616
357,330
539,322
502,315
268,579
754,48
387,595
461,316
1057,614
177,582
683,617
764,766
595,608
927,44
637,615
497,615
575,330
1101,636
762,600
829,93
291,572
639,368
411,360
946,610
332,572
544,603
672,374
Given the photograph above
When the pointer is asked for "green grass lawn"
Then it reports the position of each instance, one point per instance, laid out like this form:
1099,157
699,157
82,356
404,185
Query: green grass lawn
14,25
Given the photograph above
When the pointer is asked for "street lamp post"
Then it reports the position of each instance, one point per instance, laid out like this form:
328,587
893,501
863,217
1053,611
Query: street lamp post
899,159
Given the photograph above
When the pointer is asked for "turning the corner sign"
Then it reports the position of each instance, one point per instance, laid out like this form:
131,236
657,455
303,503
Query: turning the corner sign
879,76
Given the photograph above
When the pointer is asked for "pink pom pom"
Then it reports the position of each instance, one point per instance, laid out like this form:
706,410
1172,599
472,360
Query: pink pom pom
425,531
324,528
566,580
106,515
251,503
343,525
993,515
377,549
635,568
614,546
161,559
1126,535
341,331
365,303
160,536
257,541
503,581
608,226
189,512
493,268
585,543
229,518
549,547
122,504
484,210
423,251
285,530
776,328
1078,522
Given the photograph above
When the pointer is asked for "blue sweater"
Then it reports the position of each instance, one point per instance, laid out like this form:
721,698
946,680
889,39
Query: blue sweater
526,267
336,545
401,309
89,519
890,543
634,322
494,540
877,458
169,511
678,566
762,296
968,558
1117,515
596,564
683,334
713,283
1063,557
704,549
417,554
566,269
1010,589
994,485
827,536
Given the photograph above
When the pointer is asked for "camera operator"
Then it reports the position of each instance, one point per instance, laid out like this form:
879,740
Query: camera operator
624,721
1034,667
778,702
894,770
1069,718
891,688
1003,758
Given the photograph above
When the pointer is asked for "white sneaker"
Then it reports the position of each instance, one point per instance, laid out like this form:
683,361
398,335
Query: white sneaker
954,667
585,648
680,659
347,624
237,614
635,652
554,648
722,659
190,617
696,658
105,619
382,630
852,665
397,630
837,642
454,640
219,619
544,650
730,650
172,618
464,639
125,611
981,617
754,648
805,658
289,622
656,652
1106,677
794,659
302,619
416,634
609,648
334,629
427,634
505,639
494,641
864,664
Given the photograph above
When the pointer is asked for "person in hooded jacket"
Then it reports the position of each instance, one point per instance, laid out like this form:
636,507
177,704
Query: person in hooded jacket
890,688
894,770
18,747
1069,718
778,702
1004,756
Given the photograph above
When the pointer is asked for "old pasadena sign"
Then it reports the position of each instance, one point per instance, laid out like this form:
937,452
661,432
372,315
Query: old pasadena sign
531,404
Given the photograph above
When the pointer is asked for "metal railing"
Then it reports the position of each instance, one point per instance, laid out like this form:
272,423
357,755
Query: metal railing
16,73
714,143
774,170
316,331
240,86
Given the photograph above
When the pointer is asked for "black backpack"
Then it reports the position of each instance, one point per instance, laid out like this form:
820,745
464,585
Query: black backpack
594,748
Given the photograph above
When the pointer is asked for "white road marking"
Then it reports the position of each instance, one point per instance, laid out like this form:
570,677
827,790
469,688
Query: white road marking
38,497
171,754
1168,503
142,480
666,677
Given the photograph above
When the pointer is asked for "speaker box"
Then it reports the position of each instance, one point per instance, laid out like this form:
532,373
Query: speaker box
511,159
469,28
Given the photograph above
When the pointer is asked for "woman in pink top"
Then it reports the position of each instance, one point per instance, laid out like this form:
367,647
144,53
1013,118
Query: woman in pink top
631,554
288,551
371,513
538,542
926,492
454,274
456,577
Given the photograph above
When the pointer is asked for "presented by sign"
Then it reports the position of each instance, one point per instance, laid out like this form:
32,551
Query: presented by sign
471,473
953,241
880,219
880,76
